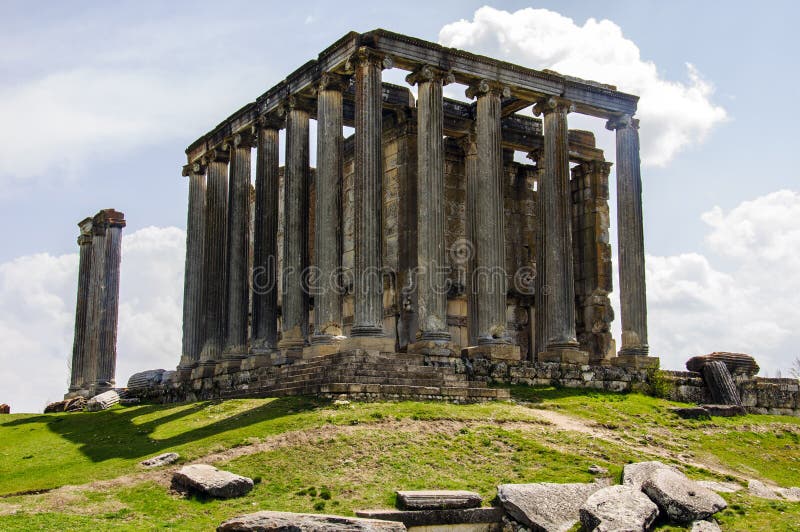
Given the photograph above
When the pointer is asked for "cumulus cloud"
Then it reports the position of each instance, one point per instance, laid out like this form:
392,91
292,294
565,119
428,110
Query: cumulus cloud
696,308
674,114
37,313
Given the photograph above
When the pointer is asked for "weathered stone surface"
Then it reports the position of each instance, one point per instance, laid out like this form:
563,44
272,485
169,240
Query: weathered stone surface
720,487
146,379
705,526
724,410
691,412
552,507
5,409
437,499
597,470
208,480
103,401
682,499
436,517
737,363
291,522
635,474
160,460
720,383
790,494
757,488
618,508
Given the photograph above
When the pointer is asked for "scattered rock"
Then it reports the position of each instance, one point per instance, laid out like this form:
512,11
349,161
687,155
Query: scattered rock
436,518
74,404
146,379
208,480
618,508
756,488
724,410
290,522
597,470
160,460
737,363
705,526
103,401
790,494
544,505
437,500
5,409
635,474
682,499
720,487
691,412
127,401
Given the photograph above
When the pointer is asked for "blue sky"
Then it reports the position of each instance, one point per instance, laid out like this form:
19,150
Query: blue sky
98,102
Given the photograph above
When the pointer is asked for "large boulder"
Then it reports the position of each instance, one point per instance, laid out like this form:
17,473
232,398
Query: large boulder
618,508
437,500
208,480
635,474
103,401
756,488
720,487
737,363
705,526
681,498
160,460
545,506
290,522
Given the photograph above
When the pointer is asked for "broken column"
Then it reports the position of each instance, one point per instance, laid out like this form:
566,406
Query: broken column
79,347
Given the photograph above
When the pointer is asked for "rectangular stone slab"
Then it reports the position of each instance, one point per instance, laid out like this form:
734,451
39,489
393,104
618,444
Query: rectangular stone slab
437,500
436,517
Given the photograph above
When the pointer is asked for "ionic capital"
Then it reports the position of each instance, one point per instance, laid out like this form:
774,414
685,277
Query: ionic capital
552,104
367,55
622,122
219,154
485,86
195,168
85,226
297,102
330,81
108,218
429,73
84,240
244,139
274,120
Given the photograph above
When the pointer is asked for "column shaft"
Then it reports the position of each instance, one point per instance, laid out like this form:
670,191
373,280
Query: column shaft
193,272
94,311
107,354
471,170
79,347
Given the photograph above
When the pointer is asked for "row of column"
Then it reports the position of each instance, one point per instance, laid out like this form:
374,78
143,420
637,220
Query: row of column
94,350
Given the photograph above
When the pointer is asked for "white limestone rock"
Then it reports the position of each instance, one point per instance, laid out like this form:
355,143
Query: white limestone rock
291,522
705,526
790,494
635,474
437,500
545,506
720,487
756,488
103,401
208,480
160,460
618,508
681,498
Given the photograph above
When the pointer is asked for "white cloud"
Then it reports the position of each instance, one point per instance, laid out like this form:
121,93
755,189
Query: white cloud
673,114
37,313
695,308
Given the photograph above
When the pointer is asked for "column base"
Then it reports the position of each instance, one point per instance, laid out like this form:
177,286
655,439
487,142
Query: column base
228,365
636,361
564,355
382,344
493,352
323,345
204,370
291,347
102,386
184,373
259,358
434,347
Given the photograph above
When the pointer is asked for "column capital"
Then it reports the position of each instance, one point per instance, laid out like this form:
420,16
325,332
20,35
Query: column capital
274,120
217,154
552,104
109,218
430,73
244,139
195,168
331,81
297,102
85,226
486,86
365,54
537,156
622,122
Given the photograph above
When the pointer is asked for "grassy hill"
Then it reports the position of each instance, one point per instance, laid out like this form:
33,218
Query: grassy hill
80,471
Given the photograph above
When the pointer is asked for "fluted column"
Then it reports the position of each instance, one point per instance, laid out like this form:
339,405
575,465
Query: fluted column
295,232
114,221
238,248
432,265
633,297
265,247
94,309
540,281
368,186
193,271
490,275
328,216
470,146
562,345
77,381
214,246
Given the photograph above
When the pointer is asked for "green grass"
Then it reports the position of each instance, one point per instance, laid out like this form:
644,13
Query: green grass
320,457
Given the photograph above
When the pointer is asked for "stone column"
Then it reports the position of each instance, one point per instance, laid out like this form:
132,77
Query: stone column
540,282
633,298
265,248
562,345
238,248
368,186
490,275
295,232
193,272
470,146
328,217
94,311
432,267
214,246
77,380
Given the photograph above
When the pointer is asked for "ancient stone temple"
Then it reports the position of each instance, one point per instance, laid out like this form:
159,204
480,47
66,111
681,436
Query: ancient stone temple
94,351
420,237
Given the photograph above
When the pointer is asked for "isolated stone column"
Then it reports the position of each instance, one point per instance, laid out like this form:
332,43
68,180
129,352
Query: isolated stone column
77,380
368,186
490,275
328,217
214,246
431,259
633,297
470,147
295,229
193,272
94,309
265,248
562,345
238,248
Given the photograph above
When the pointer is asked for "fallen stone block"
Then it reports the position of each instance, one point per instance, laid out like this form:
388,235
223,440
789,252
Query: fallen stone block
437,500
146,379
720,487
691,412
545,505
635,474
160,460
5,409
74,404
597,470
618,508
737,363
724,410
103,401
790,494
756,488
291,522
432,518
705,526
208,480
681,498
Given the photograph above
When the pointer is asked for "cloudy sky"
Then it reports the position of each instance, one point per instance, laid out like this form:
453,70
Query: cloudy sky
98,102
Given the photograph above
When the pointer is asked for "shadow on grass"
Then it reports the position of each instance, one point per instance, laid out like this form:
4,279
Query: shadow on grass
540,394
114,433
